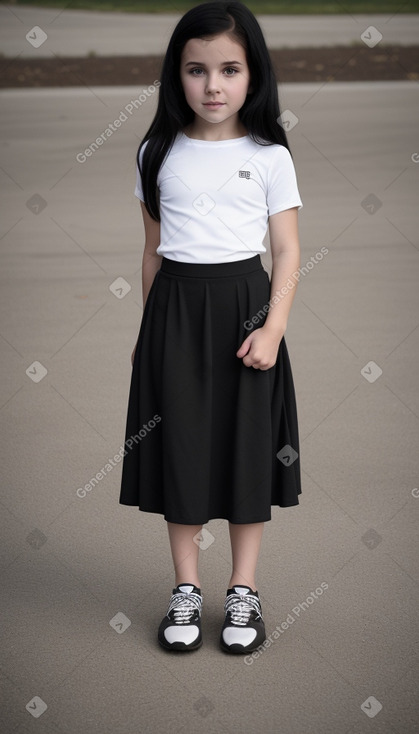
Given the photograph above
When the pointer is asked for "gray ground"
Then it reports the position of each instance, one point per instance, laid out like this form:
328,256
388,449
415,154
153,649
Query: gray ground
76,568
77,33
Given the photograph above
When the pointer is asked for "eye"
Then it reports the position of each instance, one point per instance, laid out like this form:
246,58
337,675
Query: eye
231,71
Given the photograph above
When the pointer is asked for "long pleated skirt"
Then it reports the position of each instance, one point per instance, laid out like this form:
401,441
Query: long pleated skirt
206,436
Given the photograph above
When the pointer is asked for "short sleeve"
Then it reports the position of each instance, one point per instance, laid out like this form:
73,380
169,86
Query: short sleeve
138,191
282,182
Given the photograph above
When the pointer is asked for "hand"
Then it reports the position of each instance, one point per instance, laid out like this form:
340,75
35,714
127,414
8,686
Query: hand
260,349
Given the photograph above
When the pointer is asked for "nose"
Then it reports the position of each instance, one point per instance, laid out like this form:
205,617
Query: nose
212,84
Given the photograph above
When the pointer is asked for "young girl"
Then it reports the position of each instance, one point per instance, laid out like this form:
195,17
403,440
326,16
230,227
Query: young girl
212,422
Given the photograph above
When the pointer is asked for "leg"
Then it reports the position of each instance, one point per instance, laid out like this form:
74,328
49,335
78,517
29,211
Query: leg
245,547
185,552
180,629
244,629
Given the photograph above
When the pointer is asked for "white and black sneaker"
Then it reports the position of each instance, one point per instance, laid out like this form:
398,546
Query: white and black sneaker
181,627
243,629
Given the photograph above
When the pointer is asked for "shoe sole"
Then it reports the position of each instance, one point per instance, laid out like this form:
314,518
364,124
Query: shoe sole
180,646
239,649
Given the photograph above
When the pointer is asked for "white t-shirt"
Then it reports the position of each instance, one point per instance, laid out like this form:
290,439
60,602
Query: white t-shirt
216,196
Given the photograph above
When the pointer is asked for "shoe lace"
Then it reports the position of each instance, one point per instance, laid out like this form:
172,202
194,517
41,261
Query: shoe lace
241,607
184,605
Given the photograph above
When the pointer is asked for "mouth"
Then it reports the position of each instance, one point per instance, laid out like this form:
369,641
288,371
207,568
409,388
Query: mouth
214,104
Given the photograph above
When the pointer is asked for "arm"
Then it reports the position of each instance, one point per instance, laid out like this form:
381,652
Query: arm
151,261
260,348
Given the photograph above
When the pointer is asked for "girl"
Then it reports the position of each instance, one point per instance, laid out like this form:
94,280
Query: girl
212,422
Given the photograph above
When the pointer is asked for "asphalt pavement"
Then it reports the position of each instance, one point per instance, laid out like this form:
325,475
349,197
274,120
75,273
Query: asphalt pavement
78,33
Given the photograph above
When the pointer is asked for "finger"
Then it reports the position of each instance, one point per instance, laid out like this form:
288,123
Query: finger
244,348
249,362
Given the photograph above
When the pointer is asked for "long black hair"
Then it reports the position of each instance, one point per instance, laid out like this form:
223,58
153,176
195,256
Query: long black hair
259,113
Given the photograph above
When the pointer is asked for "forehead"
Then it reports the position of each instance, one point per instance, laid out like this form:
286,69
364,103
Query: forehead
213,50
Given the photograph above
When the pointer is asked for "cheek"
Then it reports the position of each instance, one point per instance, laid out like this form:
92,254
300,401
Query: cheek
245,88
189,87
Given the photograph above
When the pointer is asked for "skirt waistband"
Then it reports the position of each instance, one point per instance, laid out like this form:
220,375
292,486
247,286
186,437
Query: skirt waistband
211,270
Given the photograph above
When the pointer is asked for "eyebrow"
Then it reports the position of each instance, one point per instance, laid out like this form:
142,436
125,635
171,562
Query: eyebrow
225,63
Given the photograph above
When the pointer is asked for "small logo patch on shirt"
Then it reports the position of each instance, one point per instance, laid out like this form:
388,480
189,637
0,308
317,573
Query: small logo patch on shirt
244,174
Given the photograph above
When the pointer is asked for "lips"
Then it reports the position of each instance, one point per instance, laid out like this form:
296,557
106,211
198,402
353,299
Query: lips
214,104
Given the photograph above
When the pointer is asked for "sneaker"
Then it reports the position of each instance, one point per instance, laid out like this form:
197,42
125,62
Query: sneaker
181,627
243,629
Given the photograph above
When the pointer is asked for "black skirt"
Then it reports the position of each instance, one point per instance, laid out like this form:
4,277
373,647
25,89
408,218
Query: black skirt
206,436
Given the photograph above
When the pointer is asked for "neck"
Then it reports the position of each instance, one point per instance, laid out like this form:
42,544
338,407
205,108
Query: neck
201,131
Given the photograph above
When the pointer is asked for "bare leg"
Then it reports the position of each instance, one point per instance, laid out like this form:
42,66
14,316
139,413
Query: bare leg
185,552
245,547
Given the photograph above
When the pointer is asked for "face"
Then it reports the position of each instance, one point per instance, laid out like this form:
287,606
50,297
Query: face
214,71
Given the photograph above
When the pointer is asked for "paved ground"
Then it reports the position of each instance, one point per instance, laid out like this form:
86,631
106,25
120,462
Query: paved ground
77,33
338,575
